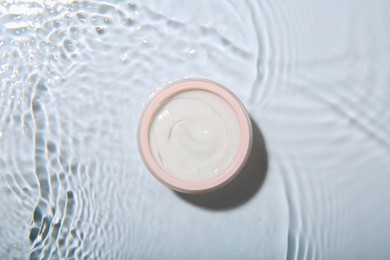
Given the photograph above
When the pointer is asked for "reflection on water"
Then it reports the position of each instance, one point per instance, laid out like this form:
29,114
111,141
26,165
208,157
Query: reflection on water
74,74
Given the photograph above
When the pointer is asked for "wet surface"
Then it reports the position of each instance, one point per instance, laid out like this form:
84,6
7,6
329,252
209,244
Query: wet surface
314,76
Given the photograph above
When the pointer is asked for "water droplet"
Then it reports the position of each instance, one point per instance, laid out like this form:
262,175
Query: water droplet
132,6
124,57
68,45
99,29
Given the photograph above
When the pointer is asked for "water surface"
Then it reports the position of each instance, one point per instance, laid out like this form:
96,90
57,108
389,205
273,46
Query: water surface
314,76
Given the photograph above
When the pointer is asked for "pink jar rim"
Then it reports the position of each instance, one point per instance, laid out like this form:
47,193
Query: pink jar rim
158,99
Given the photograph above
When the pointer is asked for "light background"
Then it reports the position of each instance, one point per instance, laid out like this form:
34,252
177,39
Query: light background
314,76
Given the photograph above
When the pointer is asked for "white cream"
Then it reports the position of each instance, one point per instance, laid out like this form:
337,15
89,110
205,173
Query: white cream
195,135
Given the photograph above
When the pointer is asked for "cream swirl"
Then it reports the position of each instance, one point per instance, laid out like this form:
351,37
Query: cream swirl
195,135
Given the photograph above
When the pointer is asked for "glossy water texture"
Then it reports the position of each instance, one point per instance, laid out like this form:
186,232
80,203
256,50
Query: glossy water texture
314,75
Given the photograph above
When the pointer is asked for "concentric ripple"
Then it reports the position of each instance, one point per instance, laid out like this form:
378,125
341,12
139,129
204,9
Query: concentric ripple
74,75
326,123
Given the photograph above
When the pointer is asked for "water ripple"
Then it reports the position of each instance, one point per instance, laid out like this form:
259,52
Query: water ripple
74,76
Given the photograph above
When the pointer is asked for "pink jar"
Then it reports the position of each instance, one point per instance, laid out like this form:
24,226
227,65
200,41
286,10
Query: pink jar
159,170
